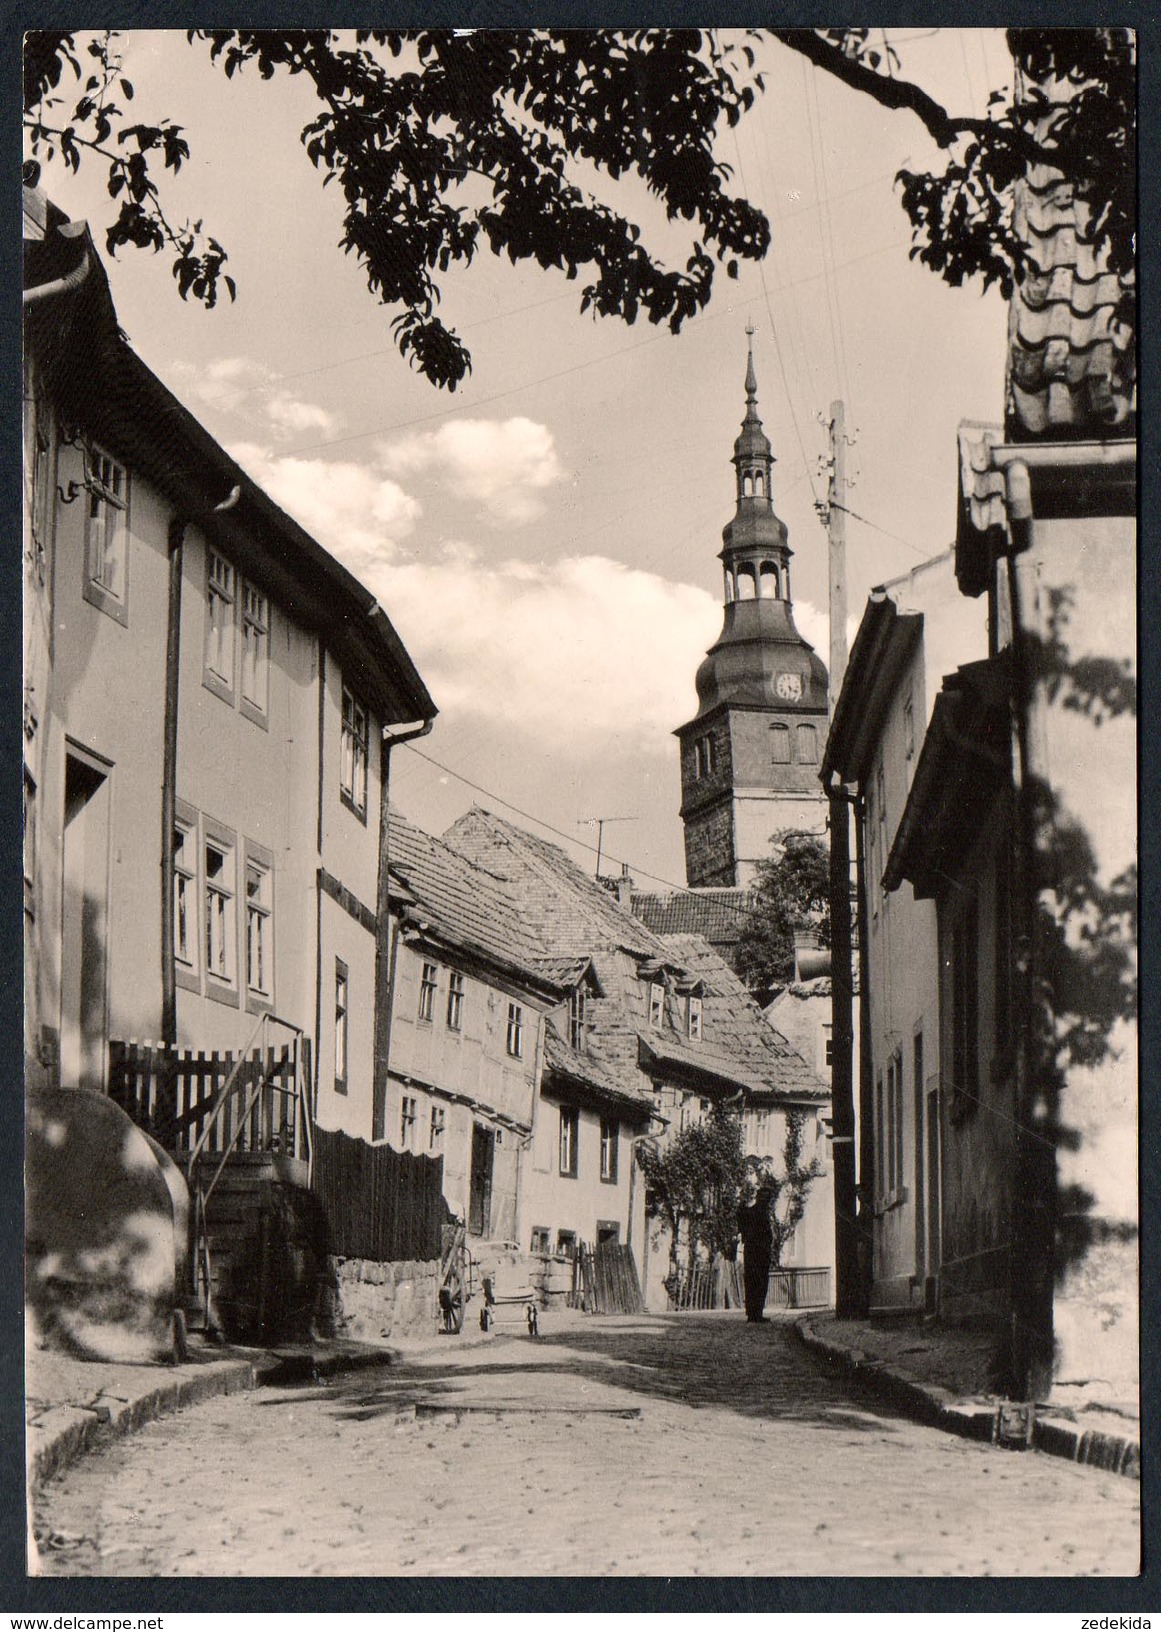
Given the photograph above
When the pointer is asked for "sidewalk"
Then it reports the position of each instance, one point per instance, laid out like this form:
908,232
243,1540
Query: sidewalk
940,1375
71,1405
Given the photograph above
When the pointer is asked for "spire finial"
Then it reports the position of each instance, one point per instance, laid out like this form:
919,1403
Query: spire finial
751,377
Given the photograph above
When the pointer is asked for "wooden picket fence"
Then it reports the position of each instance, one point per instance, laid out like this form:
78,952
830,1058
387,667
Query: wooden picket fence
605,1280
170,1093
382,1204
716,1285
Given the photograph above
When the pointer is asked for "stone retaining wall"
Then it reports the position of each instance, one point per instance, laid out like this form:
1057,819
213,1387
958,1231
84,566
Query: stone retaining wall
370,1301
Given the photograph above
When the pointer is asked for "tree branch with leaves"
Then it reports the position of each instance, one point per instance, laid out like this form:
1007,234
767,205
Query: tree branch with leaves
444,142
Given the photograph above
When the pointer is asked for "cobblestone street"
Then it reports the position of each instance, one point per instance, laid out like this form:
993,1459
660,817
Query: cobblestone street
694,1445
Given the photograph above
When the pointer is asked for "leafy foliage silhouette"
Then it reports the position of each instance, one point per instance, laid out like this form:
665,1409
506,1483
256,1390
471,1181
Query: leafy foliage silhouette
444,141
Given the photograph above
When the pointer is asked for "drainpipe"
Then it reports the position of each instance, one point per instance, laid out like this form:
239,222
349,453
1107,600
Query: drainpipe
528,1142
1034,1212
866,1182
639,1139
850,1285
392,735
179,522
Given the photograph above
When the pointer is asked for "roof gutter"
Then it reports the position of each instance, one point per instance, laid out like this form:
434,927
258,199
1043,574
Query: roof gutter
71,280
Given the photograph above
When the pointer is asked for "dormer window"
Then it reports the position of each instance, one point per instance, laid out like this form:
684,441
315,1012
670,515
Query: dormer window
693,1018
577,1006
656,1004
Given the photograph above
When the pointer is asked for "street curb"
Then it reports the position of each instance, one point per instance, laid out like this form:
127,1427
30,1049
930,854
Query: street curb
976,1419
85,1428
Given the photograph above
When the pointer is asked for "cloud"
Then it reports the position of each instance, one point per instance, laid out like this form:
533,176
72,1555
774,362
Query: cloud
356,513
581,654
503,465
250,392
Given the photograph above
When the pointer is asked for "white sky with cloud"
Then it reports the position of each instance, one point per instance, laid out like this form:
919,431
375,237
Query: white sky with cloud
507,466
546,538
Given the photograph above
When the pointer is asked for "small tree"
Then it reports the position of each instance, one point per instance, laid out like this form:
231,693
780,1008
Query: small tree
694,1181
793,893
787,1191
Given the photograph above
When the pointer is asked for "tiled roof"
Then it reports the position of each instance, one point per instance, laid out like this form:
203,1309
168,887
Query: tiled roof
566,1068
574,917
735,1030
1071,360
566,908
715,914
463,904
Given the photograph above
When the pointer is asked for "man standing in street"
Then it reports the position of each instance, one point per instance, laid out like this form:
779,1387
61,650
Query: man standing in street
757,1247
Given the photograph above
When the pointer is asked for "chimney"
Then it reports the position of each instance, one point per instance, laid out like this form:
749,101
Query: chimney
624,887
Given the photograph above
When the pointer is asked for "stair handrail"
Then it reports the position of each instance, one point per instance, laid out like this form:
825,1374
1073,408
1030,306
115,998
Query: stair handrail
230,1083
199,1223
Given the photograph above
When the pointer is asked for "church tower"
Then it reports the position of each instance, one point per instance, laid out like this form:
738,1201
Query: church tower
750,755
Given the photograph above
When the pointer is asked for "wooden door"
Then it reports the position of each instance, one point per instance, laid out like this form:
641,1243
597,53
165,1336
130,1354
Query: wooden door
480,1186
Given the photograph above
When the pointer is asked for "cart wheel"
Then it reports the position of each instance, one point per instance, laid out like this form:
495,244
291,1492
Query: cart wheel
533,1321
451,1300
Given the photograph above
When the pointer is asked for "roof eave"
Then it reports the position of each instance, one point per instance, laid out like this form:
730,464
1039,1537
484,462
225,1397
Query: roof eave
885,639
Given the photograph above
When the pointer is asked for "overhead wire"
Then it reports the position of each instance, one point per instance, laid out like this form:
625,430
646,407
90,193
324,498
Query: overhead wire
826,232
778,347
569,838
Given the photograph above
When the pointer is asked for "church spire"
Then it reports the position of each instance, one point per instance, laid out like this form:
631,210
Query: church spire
749,756
751,377
753,456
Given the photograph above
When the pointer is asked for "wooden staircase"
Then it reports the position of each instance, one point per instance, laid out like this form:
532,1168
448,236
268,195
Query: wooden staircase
240,1129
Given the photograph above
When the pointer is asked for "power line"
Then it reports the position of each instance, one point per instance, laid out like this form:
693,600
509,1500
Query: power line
557,832
778,343
887,533
826,233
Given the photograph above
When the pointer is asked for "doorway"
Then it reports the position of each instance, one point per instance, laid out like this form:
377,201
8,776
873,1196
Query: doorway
84,922
480,1187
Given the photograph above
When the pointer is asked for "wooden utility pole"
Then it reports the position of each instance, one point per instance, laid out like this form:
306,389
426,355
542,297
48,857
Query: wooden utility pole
848,1280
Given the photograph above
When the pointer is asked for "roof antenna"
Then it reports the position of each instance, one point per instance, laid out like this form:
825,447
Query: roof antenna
599,823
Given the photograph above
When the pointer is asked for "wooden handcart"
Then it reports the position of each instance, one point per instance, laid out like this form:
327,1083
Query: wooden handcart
508,1304
456,1278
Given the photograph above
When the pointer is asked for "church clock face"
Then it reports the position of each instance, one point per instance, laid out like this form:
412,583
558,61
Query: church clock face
789,687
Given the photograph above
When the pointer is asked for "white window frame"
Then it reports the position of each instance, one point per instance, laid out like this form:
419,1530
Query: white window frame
693,1017
255,681
187,916
258,884
342,1025
515,1033
656,1004
569,1139
438,1128
428,987
106,486
220,911
221,653
408,1120
577,1030
455,1000
610,1149
354,752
